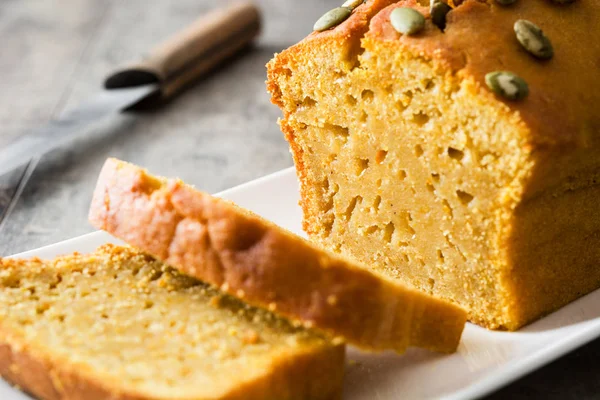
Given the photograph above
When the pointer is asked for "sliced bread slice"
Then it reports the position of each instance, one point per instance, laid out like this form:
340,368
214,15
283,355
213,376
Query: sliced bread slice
249,257
118,324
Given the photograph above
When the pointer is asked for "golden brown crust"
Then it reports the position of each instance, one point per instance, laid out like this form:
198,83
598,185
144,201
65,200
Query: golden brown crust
322,377
558,124
478,39
301,170
348,33
220,243
305,376
33,368
31,371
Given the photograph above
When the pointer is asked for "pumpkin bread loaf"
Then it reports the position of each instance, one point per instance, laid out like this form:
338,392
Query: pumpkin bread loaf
249,257
117,324
460,157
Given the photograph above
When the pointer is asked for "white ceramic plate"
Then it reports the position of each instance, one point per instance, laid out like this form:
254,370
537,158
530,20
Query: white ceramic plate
485,360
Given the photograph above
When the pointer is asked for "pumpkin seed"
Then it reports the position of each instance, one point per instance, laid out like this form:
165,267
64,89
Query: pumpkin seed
439,10
332,18
352,4
407,20
506,2
533,39
507,84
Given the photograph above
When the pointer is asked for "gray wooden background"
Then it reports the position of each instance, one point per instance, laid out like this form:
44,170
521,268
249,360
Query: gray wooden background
220,133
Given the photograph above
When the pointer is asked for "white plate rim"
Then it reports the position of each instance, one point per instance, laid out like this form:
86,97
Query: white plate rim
500,377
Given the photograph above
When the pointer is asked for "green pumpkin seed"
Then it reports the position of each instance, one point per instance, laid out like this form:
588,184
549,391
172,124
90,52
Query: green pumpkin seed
507,84
532,38
407,20
506,2
439,10
332,18
352,4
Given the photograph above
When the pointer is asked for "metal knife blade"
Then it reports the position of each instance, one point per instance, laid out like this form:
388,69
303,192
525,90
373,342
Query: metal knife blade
165,71
71,126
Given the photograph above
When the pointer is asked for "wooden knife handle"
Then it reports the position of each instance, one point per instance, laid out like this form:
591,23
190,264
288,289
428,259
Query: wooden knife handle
193,52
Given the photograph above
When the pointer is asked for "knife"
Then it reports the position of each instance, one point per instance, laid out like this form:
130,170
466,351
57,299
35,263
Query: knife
168,69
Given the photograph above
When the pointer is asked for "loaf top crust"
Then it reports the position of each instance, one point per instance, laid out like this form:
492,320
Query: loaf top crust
479,38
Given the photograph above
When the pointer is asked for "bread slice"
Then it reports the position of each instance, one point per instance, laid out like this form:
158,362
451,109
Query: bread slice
247,256
410,163
117,324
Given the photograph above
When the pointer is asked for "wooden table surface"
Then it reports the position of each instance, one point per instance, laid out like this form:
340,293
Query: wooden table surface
220,133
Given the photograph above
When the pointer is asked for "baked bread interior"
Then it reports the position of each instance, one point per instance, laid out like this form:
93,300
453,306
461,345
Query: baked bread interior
253,259
410,164
118,324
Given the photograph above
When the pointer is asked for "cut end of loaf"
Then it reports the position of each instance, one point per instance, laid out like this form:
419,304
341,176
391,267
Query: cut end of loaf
405,166
249,257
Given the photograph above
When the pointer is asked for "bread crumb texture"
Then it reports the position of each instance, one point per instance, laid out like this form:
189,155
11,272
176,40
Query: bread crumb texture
247,256
408,163
118,324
